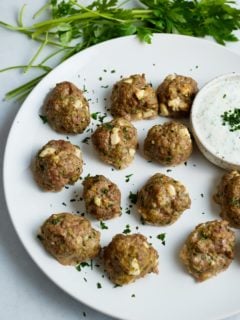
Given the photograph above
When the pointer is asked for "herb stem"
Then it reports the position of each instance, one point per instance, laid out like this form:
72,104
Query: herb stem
20,16
34,58
23,88
39,66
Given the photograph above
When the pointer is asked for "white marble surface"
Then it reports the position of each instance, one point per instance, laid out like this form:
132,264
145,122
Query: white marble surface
26,293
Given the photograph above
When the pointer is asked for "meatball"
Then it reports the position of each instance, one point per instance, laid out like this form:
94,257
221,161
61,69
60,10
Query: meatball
169,144
67,109
209,249
132,98
128,258
102,197
69,238
175,95
228,197
116,142
56,164
162,200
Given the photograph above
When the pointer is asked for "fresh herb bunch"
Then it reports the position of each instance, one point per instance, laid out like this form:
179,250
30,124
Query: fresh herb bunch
73,27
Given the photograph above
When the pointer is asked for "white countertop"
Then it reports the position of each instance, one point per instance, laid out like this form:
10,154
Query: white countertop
26,293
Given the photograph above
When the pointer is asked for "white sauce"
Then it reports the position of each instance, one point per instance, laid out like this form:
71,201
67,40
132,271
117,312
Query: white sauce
217,142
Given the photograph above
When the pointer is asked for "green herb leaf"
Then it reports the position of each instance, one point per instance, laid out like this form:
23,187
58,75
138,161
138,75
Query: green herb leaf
133,197
103,226
43,118
127,177
127,229
162,237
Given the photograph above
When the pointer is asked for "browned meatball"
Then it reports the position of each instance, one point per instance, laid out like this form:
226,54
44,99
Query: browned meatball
162,200
175,95
228,197
133,99
169,144
209,249
67,109
116,142
102,197
56,164
70,238
128,258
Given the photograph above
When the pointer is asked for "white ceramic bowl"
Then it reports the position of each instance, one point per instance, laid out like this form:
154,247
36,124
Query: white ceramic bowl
215,139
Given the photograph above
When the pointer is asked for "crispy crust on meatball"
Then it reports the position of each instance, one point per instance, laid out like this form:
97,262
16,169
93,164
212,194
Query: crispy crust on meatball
169,144
162,200
102,197
69,238
128,258
175,95
209,249
67,109
228,197
116,142
56,164
133,99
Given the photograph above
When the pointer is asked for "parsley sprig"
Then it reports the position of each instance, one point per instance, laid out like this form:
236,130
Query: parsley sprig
72,27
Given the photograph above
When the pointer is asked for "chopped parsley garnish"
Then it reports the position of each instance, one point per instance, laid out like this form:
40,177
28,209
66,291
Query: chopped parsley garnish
101,118
127,177
43,118
113,71
127,211
97,116
117,285
103,225
133,197
56,221
94,115
162,237
232,119
84,313
202,195
133,295
85,140
99,286
224,96
82,265
127,229
64,204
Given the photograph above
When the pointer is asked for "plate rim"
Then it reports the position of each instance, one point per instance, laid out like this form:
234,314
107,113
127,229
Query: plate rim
7,146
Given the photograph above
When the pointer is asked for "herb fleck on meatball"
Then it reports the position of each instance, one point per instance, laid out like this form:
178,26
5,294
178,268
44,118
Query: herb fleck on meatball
67,109
128,258
209,249
169,144
133,99
102,197
56,164
228,197
162,200
175,95
70,238
116,142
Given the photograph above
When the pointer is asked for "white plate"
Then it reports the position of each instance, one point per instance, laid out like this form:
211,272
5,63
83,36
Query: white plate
172,294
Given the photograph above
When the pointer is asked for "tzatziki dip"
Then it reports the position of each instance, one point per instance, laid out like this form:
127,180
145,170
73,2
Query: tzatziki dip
215,120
